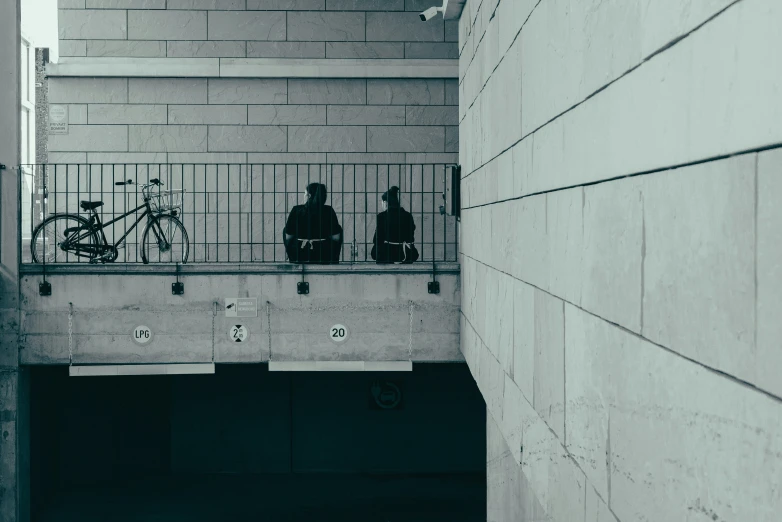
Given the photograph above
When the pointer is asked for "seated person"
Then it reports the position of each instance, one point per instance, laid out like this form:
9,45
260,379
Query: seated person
312,233
395,232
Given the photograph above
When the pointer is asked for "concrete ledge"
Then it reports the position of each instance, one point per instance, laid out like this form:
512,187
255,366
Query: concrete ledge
252,68
239,268
136,67
334,68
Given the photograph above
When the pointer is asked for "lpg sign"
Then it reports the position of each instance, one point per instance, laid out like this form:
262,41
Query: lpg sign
142,335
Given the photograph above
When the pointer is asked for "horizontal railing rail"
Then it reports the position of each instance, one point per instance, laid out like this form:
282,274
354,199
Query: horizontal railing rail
236,212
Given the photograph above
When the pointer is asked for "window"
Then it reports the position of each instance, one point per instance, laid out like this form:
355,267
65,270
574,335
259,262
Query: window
27,131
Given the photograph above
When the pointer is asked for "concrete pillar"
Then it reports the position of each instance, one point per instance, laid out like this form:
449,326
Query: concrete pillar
11,381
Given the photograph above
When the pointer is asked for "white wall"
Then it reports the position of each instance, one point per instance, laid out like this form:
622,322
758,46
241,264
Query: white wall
624,330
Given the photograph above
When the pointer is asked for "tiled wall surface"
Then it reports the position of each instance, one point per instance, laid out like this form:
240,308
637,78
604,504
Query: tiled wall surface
256,120
619,250
378,29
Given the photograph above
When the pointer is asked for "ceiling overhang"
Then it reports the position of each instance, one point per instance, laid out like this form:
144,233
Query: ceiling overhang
454,10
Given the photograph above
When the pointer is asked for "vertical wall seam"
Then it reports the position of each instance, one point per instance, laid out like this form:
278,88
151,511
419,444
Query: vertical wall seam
608,456
643,257
587,485
757,201
564,377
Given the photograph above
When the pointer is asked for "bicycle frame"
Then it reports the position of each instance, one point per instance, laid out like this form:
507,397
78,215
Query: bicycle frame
97,226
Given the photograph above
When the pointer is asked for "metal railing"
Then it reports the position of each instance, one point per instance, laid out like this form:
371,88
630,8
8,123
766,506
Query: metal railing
238,212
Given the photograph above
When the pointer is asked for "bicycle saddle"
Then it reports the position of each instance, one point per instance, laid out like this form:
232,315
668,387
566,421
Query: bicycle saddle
89,205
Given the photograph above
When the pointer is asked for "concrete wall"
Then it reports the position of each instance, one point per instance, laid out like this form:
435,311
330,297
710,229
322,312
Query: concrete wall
624,330
374,305
14,500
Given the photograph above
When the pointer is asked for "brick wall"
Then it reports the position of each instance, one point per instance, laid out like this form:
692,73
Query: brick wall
623,328
257,120
378,29
224,119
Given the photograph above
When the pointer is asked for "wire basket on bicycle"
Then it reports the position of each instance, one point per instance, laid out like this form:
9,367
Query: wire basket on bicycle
164,201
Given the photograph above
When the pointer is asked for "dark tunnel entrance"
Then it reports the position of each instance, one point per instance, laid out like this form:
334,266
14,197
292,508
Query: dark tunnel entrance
248,444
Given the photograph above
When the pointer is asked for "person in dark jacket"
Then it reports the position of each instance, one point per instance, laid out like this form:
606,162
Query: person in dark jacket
395,232
312,233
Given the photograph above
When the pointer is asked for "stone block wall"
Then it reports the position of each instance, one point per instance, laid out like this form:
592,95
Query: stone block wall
240,120
619,246
376,29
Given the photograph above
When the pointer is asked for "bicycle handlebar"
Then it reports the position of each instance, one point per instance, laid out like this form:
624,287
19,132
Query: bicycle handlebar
153,181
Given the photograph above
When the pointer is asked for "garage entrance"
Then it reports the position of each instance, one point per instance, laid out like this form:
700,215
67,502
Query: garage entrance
248,444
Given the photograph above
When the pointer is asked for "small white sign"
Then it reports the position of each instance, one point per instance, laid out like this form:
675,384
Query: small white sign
238,333
241,307
58,119
339,333
142,335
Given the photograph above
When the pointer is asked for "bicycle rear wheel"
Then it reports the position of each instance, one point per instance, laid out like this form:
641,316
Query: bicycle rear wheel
48,237
165,241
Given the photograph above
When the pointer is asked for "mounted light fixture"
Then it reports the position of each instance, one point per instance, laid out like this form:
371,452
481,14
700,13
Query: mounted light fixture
140,369
340,366
432,12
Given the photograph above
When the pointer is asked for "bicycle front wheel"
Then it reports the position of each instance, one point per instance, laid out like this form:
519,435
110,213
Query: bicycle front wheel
48,238
165,241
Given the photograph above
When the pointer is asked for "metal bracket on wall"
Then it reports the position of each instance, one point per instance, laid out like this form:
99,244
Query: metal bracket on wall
302,287
45,288
434,285
177,288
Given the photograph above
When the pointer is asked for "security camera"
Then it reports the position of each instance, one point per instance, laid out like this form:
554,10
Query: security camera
429,14
432,12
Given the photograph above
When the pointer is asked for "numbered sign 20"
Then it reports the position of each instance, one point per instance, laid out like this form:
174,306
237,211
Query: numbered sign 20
339,333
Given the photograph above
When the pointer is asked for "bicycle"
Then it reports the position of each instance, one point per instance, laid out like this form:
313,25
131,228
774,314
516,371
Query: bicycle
74,234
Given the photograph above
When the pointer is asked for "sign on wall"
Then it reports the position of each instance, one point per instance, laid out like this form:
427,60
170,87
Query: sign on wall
241,307
238,333
339,333
58,119
142,335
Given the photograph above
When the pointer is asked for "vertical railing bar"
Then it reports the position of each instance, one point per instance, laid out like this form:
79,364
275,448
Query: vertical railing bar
285,185
217,212
445,216
309,223
434,217
182,210
250,231
423,243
